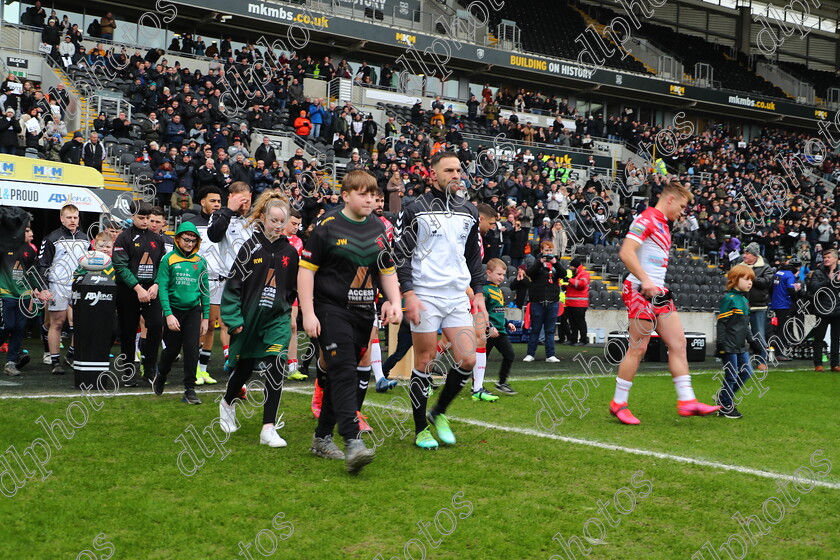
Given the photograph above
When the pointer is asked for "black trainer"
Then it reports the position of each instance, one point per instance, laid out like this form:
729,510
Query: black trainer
505,388
158,382
730,413
57,369
23,360
190,397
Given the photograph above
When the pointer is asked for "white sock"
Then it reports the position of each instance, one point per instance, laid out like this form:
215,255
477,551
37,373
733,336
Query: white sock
622,390
137,342
291,366
685,392
376,359
478,370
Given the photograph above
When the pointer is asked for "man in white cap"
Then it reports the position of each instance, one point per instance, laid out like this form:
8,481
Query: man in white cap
759,297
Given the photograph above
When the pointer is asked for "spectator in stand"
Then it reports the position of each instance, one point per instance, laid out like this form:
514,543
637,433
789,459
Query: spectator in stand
9,130
165,180
518,238
316,117
181,200
51,35
395,189
32,127
54,133
107,25
266,152
525,215
303,125
559,237
35,15
208,176
577,302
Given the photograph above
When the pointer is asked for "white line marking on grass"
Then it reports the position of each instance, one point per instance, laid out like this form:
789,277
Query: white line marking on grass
523,431
609,375
613,447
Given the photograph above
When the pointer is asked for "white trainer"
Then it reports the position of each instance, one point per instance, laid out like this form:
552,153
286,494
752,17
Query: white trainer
47,359
552,359
528,358
270,437
227,417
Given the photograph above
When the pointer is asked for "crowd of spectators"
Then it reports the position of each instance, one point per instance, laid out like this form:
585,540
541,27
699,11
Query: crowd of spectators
193,143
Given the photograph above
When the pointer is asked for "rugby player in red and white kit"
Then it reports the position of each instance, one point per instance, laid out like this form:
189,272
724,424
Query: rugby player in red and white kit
645,254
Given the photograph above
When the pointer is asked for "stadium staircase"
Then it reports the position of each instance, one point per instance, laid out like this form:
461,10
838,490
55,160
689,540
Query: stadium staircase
599,27
112,178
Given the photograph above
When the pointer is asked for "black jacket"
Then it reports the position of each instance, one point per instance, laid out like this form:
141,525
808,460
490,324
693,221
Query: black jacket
9,130
93,155
545,281
825,295
137,255
71,152
759,295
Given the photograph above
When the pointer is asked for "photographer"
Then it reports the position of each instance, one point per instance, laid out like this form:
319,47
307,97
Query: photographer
824,287
544,296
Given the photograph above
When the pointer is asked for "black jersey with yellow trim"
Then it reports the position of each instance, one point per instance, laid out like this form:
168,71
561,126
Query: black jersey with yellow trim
347,257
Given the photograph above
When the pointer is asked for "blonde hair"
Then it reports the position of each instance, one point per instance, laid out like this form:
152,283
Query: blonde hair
677,189
266,201
738,272
493,264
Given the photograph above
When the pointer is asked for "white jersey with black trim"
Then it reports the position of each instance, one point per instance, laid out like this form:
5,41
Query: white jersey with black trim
650,229
437,247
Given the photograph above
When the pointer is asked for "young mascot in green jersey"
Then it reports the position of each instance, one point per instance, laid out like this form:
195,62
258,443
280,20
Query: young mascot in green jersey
184,293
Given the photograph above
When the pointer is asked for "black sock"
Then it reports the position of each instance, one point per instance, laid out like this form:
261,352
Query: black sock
55,358
418,390
142,347
455,381
45,338
363,373
204,357
71,352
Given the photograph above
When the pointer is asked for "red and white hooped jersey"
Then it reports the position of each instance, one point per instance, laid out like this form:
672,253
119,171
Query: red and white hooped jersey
650,229
389,228
296,243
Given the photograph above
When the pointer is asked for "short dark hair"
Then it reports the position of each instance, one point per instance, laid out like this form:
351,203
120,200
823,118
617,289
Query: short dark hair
486,210
575,262
157,211
442,155
209,190
140,208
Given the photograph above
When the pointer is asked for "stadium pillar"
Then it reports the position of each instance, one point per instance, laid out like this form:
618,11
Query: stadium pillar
464,88
742,33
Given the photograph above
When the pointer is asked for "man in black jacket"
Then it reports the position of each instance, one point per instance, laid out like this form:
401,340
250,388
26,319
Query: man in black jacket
137,255
266,152
93,152
71,152
759,296
824,287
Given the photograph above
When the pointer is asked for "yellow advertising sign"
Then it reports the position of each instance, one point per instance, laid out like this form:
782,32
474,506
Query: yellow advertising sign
14,168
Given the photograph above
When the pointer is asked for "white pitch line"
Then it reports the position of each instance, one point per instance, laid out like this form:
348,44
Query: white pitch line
614,447
523,431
